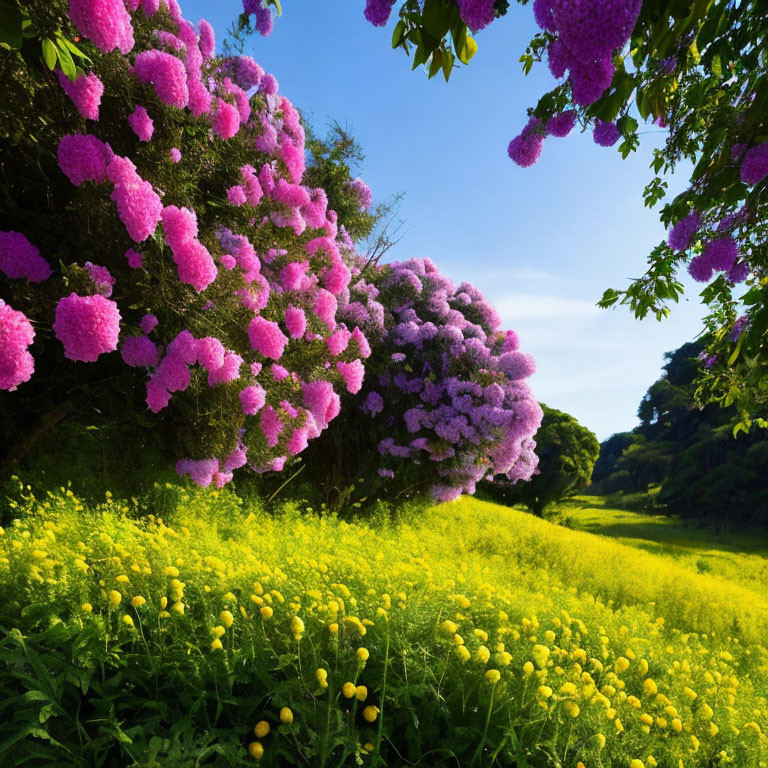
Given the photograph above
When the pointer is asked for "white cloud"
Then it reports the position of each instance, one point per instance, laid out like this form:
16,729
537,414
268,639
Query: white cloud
518,307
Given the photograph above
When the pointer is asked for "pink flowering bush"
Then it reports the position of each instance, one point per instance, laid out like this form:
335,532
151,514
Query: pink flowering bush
181,275
444,401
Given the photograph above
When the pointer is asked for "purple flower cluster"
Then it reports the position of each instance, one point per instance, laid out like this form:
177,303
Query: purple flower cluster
363,192
585,36
754,167
606,134
449,394
682,234
263,20
20,259
525,148
377,11
476,14
718,255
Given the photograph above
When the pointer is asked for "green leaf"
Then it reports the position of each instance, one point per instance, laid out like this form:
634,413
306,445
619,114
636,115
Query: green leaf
71,46
398,33
716,66
11,25
67,64
448,59
610,297
436,63
49,52
735,354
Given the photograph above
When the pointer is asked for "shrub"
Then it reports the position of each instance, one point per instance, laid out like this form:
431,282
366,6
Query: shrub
444,403
161,263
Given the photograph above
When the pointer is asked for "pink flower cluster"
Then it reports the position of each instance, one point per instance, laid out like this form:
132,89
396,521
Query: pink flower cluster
363,192
16,335
193,261
138,205
141,123
83,157
105,22
276,305
167,75
86,92
87,326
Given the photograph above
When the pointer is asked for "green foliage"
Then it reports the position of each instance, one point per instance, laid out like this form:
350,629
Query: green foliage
567,453
330,164
703,471
109,620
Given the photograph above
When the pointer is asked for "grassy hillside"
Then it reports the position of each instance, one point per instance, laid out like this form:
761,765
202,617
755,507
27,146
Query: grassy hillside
740,558
469,634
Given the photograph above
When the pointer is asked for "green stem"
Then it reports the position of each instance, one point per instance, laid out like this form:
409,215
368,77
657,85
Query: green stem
485,729
323,756
377,750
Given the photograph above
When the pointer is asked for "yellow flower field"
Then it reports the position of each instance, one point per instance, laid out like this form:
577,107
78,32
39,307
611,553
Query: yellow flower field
467,634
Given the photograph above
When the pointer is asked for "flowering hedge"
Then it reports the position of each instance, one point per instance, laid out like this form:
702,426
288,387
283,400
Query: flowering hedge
159,254
445,402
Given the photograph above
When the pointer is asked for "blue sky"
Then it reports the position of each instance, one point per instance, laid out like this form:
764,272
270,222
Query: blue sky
541,243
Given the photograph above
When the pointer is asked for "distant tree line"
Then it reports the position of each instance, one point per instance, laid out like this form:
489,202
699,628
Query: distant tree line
689,456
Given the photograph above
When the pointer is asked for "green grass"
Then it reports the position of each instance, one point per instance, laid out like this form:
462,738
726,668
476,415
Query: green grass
491,637
740,558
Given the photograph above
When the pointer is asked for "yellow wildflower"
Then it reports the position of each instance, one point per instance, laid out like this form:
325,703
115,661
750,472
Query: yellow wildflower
138,601
286,715
370,713
87,607
361,693
127,620
216,644
322,677
463,652
255,749
492,676
266,612
297,627
572,708
348,689
115,597
622,664
482,654
261,729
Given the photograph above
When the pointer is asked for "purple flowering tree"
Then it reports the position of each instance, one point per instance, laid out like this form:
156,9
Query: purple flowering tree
444,402
163,265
